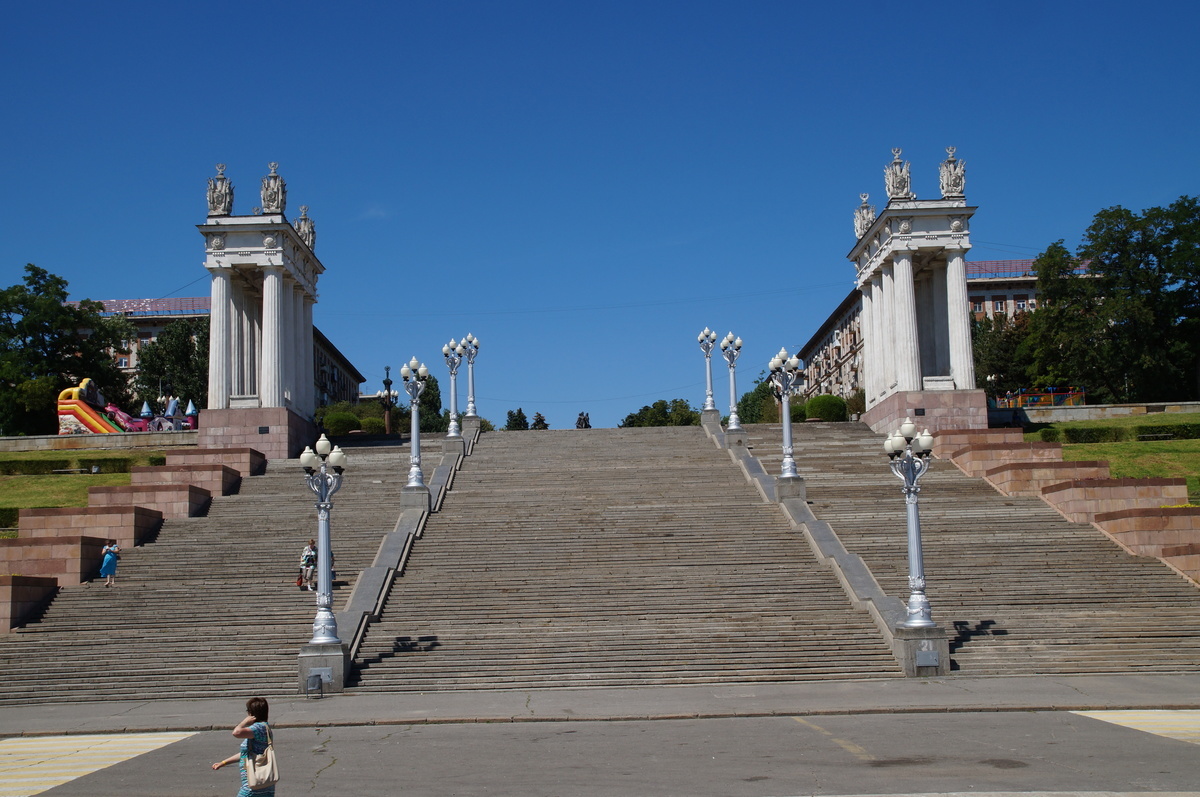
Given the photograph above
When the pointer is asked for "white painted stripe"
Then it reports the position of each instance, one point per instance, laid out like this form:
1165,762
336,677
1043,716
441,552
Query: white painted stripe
1183,725
32,765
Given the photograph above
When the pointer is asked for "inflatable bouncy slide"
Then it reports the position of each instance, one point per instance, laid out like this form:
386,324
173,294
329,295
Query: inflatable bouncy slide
82,410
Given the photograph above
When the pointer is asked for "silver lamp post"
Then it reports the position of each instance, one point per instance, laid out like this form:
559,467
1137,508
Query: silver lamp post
324,484
708,340
785,373
415,373
453,352
731,347
471,344
909,455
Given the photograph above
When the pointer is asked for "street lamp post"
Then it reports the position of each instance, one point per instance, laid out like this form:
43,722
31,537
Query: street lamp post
731,347
708,340
324,484
453,352
471,344
785,373
415,373
388,403
909,453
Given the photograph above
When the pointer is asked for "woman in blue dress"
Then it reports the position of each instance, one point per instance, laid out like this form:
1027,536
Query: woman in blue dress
108,566
255,735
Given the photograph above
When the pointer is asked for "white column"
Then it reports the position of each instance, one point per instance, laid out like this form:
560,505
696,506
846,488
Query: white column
297,349
962,362
306,351
878,372
237,342
251,342
867,369
287,342
270,386
937,309
218,340
904,309
887,341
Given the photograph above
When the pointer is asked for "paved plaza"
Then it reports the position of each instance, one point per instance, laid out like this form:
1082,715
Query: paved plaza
1036,735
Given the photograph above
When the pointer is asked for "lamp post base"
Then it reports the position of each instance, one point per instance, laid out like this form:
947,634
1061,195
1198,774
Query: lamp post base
922,652
790,487
415,497
327,662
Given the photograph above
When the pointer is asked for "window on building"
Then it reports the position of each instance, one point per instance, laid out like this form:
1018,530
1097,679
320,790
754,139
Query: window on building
122,362
997,305
976,305
1022,302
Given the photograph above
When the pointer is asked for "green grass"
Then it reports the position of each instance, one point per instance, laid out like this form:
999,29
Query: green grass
1156,418
1145,459
138,456
54,490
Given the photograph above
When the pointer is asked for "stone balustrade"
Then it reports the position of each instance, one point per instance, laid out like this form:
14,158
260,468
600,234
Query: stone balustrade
172,500
246,461
71,559
1081,500
128,525
24,597
217,479
978,458
1030,478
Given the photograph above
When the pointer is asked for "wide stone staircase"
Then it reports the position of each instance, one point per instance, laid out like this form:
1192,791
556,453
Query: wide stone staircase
210,608
1020,589
611,557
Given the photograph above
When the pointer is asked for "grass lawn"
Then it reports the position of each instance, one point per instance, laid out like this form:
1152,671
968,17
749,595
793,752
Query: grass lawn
59,489
1143,458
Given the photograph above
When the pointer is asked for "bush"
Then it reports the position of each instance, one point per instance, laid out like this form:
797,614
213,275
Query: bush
155,460
340,423
1178,431
1096,434
826,408
798,413
32,467
1050,435
373,425
106,464
8,517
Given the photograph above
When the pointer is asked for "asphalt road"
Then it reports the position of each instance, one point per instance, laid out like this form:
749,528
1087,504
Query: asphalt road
1043,751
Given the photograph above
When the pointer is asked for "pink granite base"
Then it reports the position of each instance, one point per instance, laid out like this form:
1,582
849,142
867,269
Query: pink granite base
23,598
128,525
934,410
277,432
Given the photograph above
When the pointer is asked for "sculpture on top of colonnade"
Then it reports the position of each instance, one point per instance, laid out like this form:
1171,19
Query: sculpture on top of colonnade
220,193
273,192
897,177
953,173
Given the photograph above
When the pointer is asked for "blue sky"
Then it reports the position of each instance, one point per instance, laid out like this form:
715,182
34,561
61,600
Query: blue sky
584,186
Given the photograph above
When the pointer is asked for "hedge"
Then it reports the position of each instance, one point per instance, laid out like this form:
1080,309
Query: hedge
826,408
106,464
340,423
32,467
9,517
1117,434
373,425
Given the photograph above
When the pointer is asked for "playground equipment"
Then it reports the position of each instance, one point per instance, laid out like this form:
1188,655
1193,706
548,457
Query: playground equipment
83,410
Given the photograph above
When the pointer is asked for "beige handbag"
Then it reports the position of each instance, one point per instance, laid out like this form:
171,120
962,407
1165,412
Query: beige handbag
262,770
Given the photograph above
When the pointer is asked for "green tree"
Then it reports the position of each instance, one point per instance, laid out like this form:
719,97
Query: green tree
539,422
517,422
47,345
430,404
1122,316
759,405
175,364
1001,360
677,412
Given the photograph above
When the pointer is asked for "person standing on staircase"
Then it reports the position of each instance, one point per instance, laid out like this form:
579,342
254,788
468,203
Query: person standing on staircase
108,565
308,565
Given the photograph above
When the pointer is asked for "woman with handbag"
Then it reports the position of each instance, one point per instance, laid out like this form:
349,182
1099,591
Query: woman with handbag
256,746
108,566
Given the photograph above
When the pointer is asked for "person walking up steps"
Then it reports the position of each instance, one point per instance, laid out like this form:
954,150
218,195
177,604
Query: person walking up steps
308,565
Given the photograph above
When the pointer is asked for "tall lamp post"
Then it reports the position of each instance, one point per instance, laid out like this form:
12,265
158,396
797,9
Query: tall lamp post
708,340
388,403
324,484
415,373
471,344
785,373
453,352
909,455
730,349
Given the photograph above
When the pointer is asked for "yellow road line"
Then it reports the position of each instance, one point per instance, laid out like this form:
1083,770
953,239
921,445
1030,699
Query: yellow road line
850,747
1181,725
31,765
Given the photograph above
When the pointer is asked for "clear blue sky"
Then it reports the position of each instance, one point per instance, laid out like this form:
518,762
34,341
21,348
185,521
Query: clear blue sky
584,186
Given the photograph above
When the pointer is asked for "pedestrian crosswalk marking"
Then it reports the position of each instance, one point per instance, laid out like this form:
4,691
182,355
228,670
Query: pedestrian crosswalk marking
1181,725
30,765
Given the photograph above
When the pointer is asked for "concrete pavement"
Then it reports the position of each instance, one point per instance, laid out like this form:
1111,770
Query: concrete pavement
953,693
